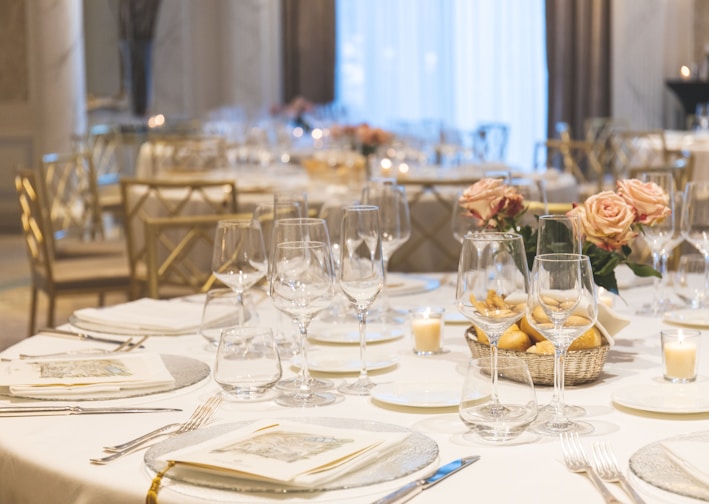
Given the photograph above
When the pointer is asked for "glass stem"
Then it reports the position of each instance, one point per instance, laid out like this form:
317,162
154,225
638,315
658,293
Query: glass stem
494,396
362,320
241,318
656,296
304,388
559,414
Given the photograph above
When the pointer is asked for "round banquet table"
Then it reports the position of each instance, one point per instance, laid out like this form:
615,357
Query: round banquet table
46,458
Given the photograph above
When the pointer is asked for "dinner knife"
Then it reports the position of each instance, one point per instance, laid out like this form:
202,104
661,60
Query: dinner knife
81,336
8,411
411,490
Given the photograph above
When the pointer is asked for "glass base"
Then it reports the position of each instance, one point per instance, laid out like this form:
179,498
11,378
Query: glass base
570,411
294,384
361,387
549,427
312,400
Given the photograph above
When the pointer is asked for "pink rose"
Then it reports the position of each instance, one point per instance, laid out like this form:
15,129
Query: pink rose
648,199
484,199
514,202
606,220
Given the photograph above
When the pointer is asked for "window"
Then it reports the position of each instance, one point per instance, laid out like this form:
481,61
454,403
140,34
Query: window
457,63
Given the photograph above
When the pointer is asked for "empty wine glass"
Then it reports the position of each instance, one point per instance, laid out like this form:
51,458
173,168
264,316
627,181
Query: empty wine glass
298,199
676,239
492,285
562,305
239,257
361,276
659,234
558,234
695,220
689,283
395,229
294,230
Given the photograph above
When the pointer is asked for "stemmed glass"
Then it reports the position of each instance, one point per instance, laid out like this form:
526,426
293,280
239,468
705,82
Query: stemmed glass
296,230
674,241
394,226
493,280
361,276
562,305
695,220
301,286
239,257
462,221
659,234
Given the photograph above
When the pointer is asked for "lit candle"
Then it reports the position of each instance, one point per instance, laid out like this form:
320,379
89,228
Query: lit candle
684,72
679,352
427,330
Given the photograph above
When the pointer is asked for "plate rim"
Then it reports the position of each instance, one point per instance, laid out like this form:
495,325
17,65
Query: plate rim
430,283
651,409
668,317
376,391
390,360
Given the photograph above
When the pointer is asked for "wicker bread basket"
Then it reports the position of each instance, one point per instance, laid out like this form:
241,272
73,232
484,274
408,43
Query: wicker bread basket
581,366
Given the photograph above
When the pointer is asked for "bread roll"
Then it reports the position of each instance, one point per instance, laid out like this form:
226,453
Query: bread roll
512,339
590,339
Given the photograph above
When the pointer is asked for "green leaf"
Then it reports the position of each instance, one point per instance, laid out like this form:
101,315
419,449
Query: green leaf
643,270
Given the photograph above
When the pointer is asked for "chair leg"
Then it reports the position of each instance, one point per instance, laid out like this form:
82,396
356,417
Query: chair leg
33,312
50,310
101,298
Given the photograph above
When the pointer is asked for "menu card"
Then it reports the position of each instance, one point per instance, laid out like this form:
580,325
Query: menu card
82,374
289,453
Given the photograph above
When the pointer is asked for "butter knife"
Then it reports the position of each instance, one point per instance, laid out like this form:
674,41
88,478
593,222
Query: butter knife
411,490
9,411
81,336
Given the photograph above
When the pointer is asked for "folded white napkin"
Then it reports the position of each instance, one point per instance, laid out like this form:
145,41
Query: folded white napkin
77,375
690,455
146,314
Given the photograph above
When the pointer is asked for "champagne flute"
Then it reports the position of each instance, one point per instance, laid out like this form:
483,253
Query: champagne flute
491,291
361,276
695,220
293,230
394,226
659,234
239,257
301,286
562,305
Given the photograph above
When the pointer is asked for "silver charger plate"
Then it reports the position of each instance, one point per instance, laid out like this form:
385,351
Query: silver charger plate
185,370
416,452
653,465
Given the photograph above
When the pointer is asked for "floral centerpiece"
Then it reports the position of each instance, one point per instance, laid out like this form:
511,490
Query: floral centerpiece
363,137
609,221
295,111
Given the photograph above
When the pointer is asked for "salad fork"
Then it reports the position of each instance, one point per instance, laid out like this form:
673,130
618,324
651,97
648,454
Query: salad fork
609,470
199,417
576,461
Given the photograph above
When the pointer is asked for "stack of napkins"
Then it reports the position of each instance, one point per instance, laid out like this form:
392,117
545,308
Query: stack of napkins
289,453
80,375
691,455
144,315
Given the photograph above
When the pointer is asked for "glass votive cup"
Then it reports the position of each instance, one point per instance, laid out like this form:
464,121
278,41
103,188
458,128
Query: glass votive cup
247,365
690,280
427,328
680,353
221,311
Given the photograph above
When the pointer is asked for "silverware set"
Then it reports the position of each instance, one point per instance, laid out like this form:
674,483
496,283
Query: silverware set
125,346
605,467
199,417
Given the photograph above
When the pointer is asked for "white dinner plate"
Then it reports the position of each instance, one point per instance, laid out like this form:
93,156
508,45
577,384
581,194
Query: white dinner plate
327,361
418,394
689,318
664,397
376,333
403,285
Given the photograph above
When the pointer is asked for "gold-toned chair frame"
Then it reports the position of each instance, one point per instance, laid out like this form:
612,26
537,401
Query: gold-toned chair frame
186,154
577,157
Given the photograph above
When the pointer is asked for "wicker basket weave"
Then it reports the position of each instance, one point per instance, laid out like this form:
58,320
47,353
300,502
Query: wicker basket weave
581,366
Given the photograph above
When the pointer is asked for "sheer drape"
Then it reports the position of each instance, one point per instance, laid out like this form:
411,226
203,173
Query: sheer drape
456,62
579,60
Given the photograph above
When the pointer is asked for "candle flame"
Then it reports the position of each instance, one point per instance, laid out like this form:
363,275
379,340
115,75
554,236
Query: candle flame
684,72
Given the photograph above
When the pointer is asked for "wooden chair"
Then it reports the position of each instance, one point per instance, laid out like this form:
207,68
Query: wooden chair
635,148
143,199
179,253
186,155
60,276
69,189
679,162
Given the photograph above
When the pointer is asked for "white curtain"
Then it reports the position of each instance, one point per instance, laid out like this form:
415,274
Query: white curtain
458,63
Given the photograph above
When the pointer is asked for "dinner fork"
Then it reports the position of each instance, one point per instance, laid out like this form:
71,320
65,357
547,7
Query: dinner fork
125,346
576,461
608,469
199,417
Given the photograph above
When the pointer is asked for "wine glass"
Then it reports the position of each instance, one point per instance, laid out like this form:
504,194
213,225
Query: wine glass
394,226
659,234
562,305
462,221
239,257
298,199
491,291
361,276
676,239
695,220
294,230
558,234
301,286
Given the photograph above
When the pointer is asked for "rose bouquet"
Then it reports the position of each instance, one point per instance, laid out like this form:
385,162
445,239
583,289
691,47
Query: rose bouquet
609,221
363,137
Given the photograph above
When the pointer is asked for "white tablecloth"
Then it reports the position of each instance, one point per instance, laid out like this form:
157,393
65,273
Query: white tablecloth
46,459
698,144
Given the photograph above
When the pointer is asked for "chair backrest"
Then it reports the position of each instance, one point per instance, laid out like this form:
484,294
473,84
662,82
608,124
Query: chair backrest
143,199
631,148
577,157
179,253
186,154
679,162
104,143
68,184
34,232
490,142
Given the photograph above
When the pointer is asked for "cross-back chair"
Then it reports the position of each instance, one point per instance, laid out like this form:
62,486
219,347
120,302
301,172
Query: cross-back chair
186,155
60,276
144,199
577,157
